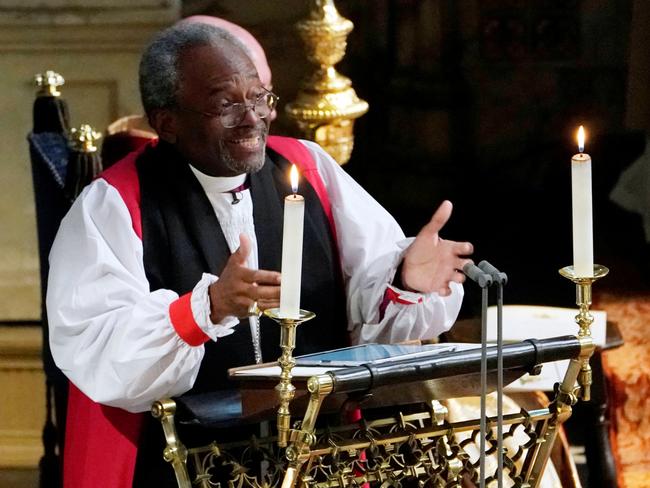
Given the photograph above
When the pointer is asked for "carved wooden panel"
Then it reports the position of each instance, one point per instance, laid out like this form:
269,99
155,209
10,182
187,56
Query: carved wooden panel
519,30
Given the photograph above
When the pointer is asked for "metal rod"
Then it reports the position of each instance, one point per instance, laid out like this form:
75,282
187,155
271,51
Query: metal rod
500,384
500,279
483,426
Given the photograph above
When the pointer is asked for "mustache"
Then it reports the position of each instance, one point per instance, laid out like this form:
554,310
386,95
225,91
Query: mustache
260,129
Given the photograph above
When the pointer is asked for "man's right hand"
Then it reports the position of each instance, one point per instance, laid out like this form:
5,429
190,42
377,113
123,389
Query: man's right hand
240,287
431,263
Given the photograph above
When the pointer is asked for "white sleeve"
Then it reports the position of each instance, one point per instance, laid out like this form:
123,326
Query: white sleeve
109,334
371,246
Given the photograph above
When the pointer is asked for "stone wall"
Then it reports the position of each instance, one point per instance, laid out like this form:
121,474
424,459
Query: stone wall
95,45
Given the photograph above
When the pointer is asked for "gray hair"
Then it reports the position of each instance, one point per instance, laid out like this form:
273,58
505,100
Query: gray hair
159,76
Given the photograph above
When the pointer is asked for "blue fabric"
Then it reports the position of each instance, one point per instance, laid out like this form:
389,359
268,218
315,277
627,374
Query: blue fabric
51,150
49,153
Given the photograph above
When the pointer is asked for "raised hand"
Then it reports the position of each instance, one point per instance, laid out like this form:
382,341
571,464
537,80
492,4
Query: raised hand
430,262
239,287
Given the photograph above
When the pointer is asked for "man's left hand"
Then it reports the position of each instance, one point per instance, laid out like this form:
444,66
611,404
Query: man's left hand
432,263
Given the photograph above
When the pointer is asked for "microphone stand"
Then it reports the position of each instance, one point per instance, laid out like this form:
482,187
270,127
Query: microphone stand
484,280
500,279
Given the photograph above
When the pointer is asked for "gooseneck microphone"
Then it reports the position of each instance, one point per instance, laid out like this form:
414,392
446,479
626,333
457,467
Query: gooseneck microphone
477,275
496,275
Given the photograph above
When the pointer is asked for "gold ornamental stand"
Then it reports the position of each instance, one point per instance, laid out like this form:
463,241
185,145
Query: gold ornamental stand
567,393
285,388
326,105
584,319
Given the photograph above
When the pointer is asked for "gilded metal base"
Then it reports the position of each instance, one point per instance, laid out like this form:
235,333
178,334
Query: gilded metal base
584,319
411,449
285,389
303,316
418,449
175,452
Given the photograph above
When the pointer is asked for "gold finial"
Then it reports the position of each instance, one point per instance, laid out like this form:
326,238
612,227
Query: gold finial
84,138
326,105
48,83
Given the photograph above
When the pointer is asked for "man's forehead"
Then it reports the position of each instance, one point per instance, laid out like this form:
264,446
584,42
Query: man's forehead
235,79
225,66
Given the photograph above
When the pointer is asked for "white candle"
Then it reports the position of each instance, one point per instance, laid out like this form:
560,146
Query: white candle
583,234
294,213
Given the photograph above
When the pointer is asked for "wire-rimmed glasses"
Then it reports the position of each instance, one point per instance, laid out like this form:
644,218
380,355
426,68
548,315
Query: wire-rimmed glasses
232,114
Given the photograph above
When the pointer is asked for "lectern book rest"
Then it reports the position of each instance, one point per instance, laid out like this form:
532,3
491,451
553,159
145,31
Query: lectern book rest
318,363
396,374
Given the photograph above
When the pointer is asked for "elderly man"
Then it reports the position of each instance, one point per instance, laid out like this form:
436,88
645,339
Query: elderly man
128,133
156,267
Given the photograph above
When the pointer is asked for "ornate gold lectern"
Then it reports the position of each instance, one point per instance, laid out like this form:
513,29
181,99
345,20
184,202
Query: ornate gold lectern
412,445
415,445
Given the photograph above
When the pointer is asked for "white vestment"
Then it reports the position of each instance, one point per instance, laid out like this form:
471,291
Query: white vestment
113,337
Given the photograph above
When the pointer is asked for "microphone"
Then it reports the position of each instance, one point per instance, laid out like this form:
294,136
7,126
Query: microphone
477,275
497,276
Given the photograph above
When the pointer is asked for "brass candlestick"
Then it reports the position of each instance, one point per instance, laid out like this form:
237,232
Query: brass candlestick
286,361
584,319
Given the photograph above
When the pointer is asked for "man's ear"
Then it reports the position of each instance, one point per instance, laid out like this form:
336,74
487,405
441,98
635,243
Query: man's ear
164,122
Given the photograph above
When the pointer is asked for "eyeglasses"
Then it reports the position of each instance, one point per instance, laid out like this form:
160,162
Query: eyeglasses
232,114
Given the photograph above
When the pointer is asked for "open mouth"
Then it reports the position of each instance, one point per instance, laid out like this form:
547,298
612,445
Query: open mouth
247,143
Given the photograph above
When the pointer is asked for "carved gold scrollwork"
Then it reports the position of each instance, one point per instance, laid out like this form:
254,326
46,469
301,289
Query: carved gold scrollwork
420,449
327,105
406,451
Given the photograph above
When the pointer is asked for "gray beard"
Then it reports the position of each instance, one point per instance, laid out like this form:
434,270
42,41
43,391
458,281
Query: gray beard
252,165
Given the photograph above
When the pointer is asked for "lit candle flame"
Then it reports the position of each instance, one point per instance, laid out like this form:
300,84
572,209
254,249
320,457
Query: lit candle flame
293,175
581,139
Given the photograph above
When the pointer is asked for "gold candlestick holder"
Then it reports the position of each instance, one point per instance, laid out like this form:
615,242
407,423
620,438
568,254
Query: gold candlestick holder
584,319
285,388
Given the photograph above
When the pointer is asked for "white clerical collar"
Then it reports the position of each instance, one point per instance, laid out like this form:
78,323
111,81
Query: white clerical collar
218,184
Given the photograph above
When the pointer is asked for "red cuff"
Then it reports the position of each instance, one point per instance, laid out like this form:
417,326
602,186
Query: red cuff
391,296
182,318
